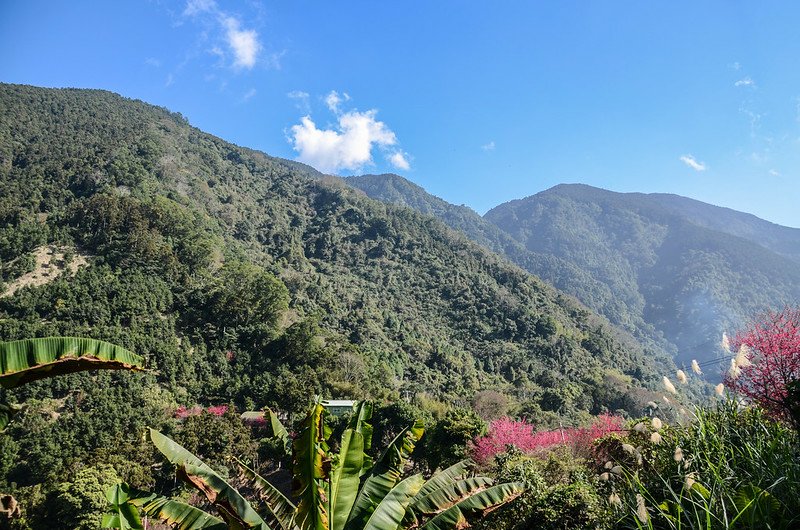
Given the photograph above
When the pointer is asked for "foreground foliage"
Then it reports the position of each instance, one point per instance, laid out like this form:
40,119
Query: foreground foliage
333,491
766,369
729,468
27,360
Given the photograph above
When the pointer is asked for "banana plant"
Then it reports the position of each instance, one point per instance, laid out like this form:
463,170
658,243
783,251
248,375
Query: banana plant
23,361
331,491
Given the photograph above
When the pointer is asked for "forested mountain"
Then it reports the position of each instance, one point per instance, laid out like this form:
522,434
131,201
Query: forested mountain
780,239
689,269
564,274
247,279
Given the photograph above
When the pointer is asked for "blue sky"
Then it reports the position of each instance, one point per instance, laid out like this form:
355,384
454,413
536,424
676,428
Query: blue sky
478,102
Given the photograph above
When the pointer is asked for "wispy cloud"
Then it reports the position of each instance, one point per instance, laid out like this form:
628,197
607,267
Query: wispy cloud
195,7
242,43
249,94
300,100
774,173
152,61
348,145
690,161
333,100
488,147
399,161
746,82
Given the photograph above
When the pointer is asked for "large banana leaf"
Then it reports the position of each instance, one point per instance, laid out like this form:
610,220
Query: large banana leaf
179,515
449,494
389,514
125,500
122,514
233,508
486,500
280,508
348,466
457,471
23,361
280,432
384,476
311,471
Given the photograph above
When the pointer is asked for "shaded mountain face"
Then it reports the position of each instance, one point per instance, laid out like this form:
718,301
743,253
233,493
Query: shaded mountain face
257,280
691,270
565,274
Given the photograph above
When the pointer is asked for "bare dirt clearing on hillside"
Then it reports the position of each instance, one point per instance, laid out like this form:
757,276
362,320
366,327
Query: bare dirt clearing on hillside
50,264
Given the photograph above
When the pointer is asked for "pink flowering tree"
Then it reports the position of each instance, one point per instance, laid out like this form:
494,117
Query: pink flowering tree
522,435
767,370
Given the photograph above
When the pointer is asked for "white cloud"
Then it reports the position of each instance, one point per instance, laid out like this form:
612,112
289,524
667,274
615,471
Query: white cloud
300,100
736,66
244,43
774,173
399,161
152,61
333,100
349,143
690,161
249,94
488,147
745,82
195,7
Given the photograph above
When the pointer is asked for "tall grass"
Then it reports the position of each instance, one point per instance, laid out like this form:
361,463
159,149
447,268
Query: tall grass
729,468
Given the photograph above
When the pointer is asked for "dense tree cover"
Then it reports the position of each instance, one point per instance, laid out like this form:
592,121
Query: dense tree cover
566,275
689,279
241,280
671,271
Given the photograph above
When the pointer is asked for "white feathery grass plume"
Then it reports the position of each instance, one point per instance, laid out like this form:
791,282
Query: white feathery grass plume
640,427
696,367
678,455
719,389
652,404
655,438
628,448
666,400
605,477
668,386
641,509
680,375
726,344
609,464
689,481
617,470
743,356
734,370
614,500
656,423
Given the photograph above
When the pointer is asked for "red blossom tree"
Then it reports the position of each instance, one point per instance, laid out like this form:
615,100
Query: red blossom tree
505,432
770,374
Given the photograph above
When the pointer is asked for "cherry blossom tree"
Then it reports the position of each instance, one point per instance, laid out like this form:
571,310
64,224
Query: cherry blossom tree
767,366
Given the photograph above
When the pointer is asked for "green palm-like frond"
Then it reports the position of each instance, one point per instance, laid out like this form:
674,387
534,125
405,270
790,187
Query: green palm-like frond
279,507
234,509
385,475
311,471
23,361
456,515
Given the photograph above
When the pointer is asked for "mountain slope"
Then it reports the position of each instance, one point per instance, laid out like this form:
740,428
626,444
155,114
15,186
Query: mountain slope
688,280
248,278
561,273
